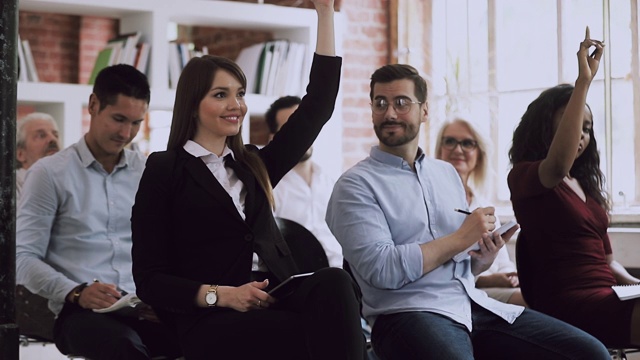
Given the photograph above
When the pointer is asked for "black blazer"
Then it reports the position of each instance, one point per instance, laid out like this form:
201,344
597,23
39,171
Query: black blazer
186,230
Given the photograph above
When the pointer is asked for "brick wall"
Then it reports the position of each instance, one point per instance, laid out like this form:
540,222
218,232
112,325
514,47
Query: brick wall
54,43
94,34
365,50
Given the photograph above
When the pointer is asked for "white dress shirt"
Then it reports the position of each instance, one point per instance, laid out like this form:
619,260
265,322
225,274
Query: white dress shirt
307,205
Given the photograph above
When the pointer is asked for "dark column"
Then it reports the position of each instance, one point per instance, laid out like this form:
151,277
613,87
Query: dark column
8,102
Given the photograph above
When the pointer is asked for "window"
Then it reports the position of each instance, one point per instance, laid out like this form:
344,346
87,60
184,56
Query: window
488,59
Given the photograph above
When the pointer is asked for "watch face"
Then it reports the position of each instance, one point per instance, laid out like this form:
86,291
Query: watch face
211,298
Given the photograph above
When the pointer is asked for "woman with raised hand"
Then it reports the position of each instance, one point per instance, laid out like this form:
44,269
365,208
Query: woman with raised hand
206,248
564,254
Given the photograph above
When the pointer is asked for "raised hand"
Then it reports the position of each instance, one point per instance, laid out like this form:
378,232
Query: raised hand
588,64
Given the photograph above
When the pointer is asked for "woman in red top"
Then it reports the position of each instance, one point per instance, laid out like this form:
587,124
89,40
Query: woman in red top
564,255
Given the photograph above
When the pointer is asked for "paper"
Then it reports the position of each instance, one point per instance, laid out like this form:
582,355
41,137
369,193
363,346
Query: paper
125,304
626,292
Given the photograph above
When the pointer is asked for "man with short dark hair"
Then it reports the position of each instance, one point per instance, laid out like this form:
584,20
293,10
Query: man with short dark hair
74,234
303,193
393,213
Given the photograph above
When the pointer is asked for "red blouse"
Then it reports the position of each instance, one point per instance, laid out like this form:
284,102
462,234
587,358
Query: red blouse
562,248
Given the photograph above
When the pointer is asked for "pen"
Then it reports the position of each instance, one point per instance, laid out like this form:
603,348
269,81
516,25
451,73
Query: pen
122,292
462,211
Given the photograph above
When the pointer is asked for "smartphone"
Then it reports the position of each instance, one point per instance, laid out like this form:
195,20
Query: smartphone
289,285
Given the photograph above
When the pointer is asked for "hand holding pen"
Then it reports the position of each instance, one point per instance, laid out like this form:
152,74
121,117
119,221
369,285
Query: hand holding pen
99,295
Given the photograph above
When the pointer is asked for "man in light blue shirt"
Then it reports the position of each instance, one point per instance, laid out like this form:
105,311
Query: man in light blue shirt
393,213
74,234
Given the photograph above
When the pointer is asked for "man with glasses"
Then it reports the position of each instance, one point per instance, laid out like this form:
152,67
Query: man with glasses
393,213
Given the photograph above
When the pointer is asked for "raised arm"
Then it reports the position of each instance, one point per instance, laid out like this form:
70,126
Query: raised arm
326,44
563,149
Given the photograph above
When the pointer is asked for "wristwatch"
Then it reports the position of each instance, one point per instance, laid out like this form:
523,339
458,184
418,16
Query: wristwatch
211,297
76,292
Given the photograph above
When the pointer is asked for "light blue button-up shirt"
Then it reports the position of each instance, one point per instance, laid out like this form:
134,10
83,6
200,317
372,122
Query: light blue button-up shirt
73,223
380,212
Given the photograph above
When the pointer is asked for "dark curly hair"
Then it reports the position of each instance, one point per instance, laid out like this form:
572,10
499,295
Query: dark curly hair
532,139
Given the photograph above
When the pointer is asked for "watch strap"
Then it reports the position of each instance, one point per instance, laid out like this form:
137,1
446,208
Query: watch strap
77,291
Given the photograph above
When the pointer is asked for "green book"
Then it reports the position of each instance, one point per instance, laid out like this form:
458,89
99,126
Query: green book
102,61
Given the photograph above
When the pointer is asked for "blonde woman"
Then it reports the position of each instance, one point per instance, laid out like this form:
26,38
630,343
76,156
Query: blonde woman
461,145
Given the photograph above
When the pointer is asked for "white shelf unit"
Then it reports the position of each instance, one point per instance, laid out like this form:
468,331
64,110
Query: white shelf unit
151,18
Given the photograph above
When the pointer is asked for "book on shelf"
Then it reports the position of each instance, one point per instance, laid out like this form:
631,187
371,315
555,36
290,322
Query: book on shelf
142,57
174,65
105,56
298,71
122,49
125,48
124,306
265,67
32,71
185,53
274,68
626,292
248,60
22,63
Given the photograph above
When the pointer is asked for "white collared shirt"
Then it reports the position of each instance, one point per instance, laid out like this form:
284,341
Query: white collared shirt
307,205
74,223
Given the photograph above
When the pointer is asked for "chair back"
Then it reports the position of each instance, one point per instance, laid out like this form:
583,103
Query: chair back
306,250
33,316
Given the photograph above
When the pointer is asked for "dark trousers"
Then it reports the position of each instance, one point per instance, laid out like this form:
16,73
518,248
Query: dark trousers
97,336
320,320
425,335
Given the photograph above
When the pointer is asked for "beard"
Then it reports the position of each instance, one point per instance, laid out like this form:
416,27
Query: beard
391,138
306,155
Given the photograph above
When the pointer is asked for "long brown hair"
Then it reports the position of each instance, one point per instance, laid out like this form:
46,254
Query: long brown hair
194,84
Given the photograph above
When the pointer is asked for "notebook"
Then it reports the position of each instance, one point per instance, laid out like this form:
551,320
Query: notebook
626,292
124,305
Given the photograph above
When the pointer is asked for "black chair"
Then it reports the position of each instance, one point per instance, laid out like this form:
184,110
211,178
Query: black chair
306,250
367,334
34,319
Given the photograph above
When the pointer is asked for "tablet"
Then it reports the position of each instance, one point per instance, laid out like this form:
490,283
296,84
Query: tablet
288,286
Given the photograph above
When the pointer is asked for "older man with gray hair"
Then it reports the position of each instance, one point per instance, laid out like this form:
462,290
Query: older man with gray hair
36,137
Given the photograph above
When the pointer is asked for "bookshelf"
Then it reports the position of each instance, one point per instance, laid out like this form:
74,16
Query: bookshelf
152,18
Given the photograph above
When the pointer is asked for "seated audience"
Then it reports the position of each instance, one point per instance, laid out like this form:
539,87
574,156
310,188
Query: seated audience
393,213
74,232
565,257
460,144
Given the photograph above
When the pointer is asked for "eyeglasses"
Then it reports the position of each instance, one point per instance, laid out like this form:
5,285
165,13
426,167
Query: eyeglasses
401,105
450,143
